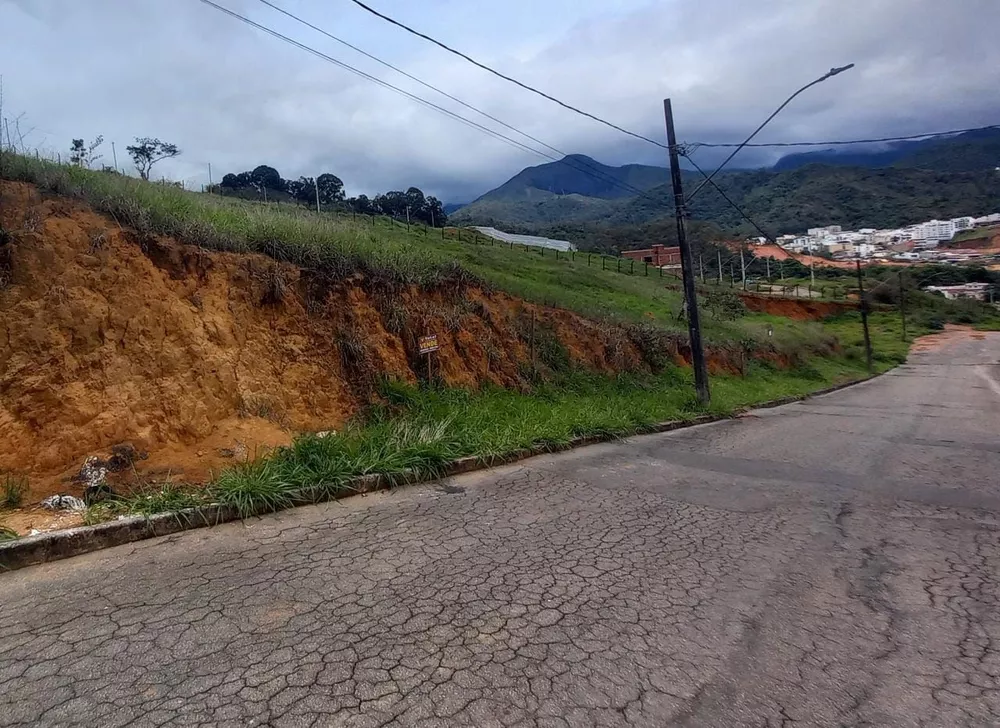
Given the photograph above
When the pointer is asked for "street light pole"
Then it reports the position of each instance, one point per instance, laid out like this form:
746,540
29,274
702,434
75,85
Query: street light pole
687,262
830,74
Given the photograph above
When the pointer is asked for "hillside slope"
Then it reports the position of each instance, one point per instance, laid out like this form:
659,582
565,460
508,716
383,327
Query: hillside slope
789,201
968,152
114,336
577,174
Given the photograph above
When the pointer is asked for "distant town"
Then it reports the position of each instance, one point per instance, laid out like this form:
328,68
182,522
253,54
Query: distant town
920,242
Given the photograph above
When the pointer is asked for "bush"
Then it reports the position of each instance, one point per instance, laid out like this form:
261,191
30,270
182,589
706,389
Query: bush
12,491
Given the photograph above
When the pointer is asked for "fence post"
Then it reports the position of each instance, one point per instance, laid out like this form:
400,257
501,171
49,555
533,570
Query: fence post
588,260
631,268
645,269
603,266
572,256
619,265
661,270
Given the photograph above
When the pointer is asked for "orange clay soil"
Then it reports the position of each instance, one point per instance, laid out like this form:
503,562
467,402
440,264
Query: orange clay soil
191,360
800,310
951,334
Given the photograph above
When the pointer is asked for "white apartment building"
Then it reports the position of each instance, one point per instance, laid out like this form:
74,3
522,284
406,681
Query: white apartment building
822,232
933,231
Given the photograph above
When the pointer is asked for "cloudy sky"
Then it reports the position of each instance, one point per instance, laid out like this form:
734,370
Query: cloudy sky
235,97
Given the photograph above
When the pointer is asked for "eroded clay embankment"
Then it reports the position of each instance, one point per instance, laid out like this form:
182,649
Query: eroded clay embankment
197,358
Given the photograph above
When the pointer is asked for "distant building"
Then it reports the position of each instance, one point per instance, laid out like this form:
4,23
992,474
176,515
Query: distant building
820,232
658,255
965,290
530,240
987,220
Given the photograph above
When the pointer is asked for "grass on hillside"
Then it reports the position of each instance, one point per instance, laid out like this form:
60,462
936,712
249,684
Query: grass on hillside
422,430
385,252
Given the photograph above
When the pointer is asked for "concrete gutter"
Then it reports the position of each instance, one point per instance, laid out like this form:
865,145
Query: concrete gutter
56,545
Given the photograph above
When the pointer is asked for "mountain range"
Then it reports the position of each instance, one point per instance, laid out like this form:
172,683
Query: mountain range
885,186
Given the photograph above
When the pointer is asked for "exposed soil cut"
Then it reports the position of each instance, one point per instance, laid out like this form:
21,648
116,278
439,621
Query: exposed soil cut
800,310
197,359
951,334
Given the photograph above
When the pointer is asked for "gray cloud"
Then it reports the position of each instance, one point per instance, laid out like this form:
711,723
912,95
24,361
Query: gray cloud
235,97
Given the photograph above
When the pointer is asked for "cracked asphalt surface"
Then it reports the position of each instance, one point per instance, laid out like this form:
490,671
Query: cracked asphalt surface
833,562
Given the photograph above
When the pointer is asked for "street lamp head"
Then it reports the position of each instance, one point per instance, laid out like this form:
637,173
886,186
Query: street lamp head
835,71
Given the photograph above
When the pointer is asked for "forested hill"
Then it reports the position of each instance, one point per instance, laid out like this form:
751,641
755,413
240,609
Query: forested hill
781,202
880,186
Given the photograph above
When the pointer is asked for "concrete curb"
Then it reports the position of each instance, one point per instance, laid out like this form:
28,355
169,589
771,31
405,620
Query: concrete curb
56,545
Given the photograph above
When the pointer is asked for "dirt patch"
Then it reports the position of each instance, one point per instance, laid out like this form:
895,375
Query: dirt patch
952,334
800,310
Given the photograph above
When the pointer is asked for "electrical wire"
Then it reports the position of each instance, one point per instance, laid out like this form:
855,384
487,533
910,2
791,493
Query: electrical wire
514,81
601,175
374,79
844,142
829,74
595,173
726,197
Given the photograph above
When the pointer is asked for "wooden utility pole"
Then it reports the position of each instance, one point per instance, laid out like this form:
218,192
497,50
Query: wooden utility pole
701,267
864,318
720,266
743,268
687,262
316,185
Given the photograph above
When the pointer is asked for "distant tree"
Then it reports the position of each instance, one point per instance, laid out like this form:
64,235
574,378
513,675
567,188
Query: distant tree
231,181
331,189
266,178
434,213
363,205
392,203
300,188
415,201
82,154
146,152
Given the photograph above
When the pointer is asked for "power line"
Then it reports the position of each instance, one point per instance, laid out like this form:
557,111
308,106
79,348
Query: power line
726,197
602,176
514,81
829,74
429,104
928,135
374,79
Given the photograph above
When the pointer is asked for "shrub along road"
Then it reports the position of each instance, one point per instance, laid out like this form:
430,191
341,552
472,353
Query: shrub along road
833,562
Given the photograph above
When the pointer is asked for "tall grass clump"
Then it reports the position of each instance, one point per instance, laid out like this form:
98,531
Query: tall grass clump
13,489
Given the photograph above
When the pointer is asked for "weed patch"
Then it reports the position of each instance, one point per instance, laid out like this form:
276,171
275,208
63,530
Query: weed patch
13,489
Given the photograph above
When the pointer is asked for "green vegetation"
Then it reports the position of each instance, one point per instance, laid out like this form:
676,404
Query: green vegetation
385,253
577,174
967,152
7,534
417,432
782,202
12,490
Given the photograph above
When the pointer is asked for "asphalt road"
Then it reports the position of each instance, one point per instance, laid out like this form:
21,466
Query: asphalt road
835,562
